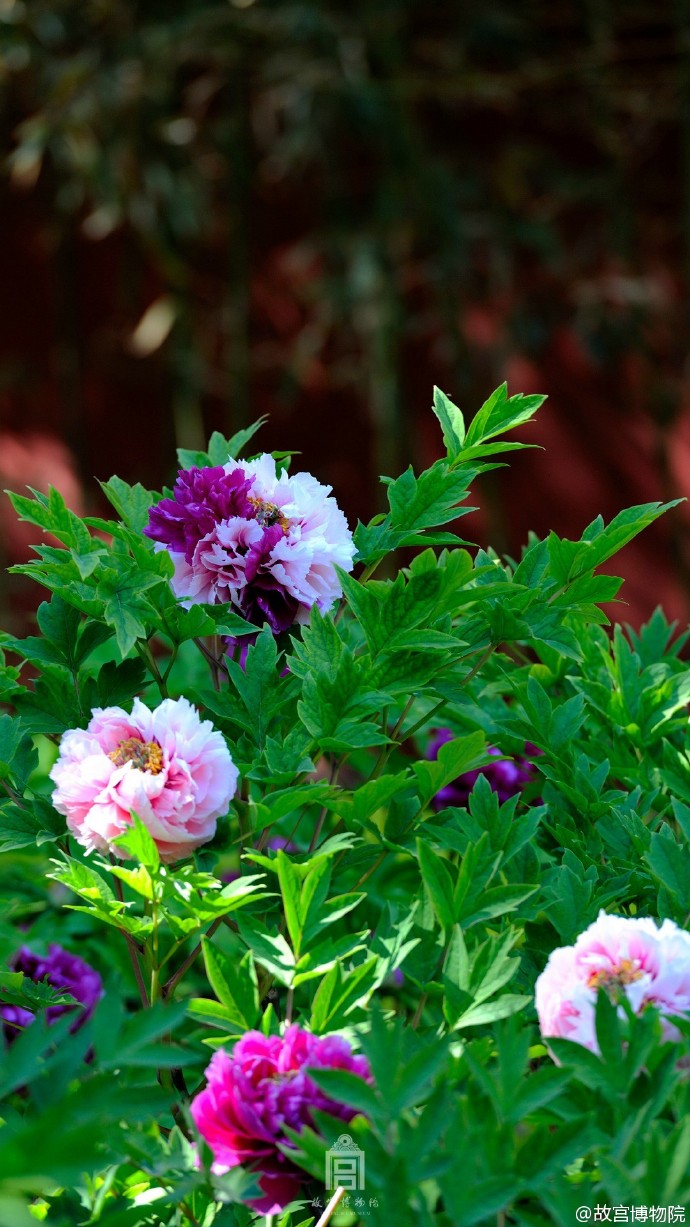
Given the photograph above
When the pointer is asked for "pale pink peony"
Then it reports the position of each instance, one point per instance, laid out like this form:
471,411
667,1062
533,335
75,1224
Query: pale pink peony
650,964
170,767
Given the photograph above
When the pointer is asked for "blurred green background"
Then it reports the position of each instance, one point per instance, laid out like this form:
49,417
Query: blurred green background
214,209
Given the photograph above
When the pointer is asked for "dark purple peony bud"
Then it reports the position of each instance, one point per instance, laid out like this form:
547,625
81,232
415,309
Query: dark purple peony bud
61,970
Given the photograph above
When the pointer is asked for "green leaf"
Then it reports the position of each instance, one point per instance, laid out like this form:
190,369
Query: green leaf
499,414
60,623
131,503
452,423
220,449
138,842
125,609
260,688
271,950
492,1011
345,1087
50,512
339,994
234,984
605,541
12,734
670,864
138,879
290,888
454,758
608,1029
438,883
496,901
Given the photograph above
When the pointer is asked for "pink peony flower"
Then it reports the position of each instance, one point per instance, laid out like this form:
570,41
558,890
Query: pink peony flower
650,964
261,541
254,1093
169,766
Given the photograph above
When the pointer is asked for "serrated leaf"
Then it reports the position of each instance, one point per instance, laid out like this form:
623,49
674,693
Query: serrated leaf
131,503
140,845
452,423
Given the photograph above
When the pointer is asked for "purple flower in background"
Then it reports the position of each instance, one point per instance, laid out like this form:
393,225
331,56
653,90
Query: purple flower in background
281,842
61,970
253,1093
246,642
507,776
251,537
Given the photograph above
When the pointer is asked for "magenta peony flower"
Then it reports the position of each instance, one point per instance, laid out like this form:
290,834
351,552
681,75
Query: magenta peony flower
261,541
63,971
507,776
650,964
254,1093
169,766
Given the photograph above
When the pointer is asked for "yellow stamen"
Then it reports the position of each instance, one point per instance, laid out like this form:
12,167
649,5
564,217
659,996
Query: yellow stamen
269,514
625,973
146,755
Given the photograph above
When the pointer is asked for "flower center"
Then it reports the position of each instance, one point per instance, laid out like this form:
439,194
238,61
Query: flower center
625,973
268,514
146,755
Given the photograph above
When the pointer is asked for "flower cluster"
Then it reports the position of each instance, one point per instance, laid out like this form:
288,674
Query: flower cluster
648,964
507,776
62,970
171,768
254,538
253,1094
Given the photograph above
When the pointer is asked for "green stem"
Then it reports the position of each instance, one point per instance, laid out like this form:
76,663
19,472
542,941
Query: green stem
245,832
482,661
372,868
332,776
387,750
217,666
369,571
170,986
133,950
191,1217
437,707
171,662
155,969
143,648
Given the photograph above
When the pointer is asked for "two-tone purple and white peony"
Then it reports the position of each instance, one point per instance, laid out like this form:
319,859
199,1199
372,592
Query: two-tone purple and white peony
255,538
171,768
647,963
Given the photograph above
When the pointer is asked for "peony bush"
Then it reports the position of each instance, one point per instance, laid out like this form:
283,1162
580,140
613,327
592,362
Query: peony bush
346,869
